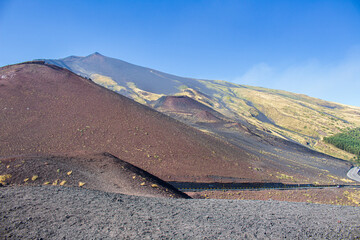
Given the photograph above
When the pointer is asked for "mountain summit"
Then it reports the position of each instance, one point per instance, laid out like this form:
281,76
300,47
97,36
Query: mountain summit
97,66
286,115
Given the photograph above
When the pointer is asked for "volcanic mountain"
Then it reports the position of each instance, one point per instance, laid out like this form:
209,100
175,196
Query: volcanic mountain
48,110
286,115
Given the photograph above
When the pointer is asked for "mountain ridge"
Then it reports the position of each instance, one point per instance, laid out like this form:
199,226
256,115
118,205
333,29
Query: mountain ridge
51,110
303,119
48,109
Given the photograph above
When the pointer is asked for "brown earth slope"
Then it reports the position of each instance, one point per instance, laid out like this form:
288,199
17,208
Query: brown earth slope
187,109
46,109
180,104
99,172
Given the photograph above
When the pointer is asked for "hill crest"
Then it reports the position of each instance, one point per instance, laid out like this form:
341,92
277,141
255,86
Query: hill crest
298,117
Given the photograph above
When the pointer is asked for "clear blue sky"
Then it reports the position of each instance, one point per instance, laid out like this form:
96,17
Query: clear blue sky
310,47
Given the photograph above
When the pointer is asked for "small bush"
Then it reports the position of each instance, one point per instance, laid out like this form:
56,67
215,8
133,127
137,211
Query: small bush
3,178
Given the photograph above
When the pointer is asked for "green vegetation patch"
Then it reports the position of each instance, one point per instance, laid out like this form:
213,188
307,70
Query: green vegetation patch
107,82
348,141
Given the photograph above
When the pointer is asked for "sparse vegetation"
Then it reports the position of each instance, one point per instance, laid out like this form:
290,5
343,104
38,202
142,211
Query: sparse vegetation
3,178
107,82
353,196
285,176
296,116
62,183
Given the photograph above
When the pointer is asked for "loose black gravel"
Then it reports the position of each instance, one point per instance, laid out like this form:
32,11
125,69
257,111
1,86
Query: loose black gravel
50,212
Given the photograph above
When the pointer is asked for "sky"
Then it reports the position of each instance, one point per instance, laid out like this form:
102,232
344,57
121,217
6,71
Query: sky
309,47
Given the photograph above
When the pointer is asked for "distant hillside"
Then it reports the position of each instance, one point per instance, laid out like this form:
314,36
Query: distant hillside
115,73
303,119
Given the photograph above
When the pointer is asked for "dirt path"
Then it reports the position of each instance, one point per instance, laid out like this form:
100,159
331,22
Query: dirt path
51,212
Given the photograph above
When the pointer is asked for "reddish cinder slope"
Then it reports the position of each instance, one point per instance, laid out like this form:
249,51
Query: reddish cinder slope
180,104
185,107
102,172
45,109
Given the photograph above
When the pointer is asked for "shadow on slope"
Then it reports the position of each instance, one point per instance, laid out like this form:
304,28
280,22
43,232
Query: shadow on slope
102,172
187,108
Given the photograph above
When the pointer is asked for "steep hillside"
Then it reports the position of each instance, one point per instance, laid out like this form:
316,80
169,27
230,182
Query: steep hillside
287,115
49,110
297,117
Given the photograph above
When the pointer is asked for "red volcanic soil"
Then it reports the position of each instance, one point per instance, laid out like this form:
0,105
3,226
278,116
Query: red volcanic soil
45,109
185,107
180,104
99,172
334,196
207,117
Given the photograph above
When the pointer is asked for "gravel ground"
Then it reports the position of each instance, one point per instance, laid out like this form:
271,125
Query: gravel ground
52,212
